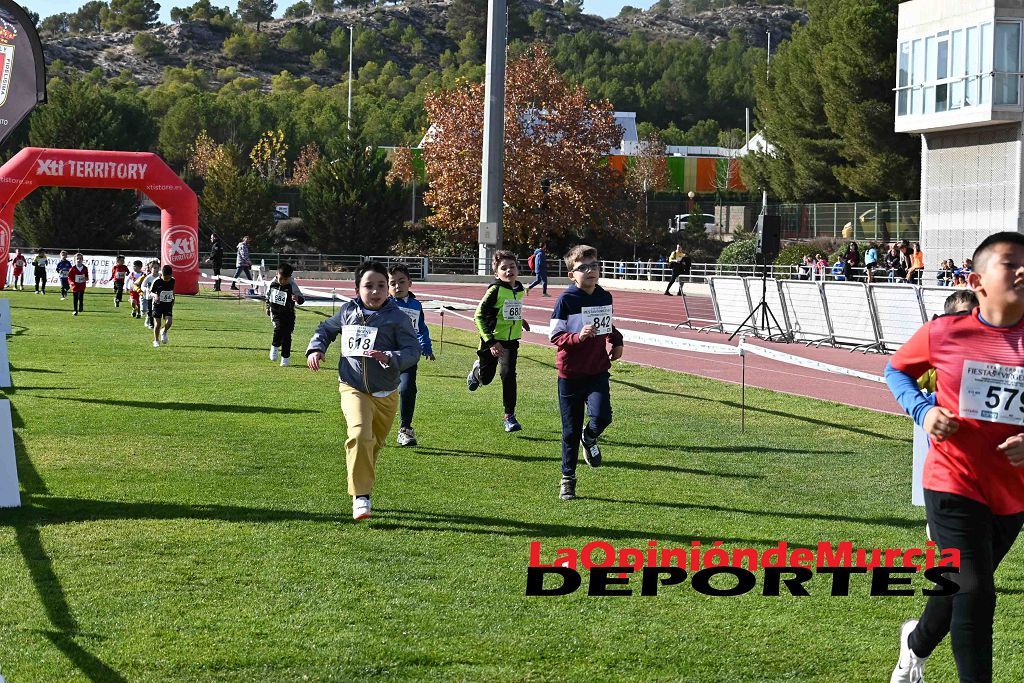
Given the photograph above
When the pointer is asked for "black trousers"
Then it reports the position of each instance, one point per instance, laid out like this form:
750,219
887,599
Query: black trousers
489,365
677,270
284,325
118,290
78,300
40,274
983,540
217,264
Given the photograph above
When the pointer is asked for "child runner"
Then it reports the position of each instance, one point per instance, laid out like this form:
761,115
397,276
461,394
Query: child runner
79,276
117,276
974,474
587,341
499,319
398,284
18,265
161,293
377,345
63,267
147,285
135,287
39,270
282,295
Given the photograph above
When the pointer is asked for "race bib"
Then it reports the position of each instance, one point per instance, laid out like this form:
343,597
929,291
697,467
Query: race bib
79,279
598,316
992,393
414,316
357,340
119,276
512,310
278,297
167,296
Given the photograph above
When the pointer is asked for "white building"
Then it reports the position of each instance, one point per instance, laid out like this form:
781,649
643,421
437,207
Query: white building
958,85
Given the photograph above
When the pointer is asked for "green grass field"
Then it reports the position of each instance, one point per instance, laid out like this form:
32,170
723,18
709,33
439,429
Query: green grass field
185,518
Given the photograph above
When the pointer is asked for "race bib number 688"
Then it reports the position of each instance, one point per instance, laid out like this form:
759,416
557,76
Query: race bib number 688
992,392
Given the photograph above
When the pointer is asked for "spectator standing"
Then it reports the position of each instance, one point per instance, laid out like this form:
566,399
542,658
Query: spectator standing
916,265
851,261
216,258
806,269
871,261
243,265
895,264
820,266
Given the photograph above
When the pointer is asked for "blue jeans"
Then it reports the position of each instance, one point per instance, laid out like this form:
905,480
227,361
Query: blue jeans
242,270
407,392
542,279
573,395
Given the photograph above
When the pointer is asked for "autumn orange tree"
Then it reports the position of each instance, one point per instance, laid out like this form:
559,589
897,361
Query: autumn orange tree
557,180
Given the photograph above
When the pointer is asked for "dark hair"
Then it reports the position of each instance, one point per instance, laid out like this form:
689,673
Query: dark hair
400,268
167,270
578,253
137,263
119,257
286,269
367,267
502,255
956,301
1006,237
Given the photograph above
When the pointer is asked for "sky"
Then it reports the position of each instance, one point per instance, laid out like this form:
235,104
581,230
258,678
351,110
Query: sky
603,8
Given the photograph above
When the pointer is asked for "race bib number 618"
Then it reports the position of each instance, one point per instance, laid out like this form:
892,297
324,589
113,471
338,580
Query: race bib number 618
992,392
357,340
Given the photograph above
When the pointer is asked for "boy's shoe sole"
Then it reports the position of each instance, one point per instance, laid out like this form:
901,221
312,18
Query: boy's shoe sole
471,381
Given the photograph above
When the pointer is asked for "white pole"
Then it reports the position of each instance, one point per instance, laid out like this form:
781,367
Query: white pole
349,118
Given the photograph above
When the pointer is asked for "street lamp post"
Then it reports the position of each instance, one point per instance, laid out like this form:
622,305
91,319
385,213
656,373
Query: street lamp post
348,119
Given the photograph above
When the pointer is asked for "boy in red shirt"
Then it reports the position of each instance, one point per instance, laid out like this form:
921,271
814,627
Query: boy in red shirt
18,264
117,276
79,277
974,474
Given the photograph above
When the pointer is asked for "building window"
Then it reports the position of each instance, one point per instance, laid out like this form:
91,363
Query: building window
1007,63
986,64
903,80
959,70
973,67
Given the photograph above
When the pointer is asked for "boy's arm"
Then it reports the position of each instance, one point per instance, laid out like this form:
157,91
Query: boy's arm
615,337
408,353
297,293
326,332
424,335
910,397
486,317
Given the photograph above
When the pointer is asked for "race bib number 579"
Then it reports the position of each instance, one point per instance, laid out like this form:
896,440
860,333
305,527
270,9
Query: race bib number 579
992,392
357,340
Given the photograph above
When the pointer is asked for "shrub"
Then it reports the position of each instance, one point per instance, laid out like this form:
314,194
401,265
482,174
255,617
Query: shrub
148,45
741,252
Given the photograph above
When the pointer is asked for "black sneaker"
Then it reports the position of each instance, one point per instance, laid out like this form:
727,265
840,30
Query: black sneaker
568,490
591,451
472,383
511,423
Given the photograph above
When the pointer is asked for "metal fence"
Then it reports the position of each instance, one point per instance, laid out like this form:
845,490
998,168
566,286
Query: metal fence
880,221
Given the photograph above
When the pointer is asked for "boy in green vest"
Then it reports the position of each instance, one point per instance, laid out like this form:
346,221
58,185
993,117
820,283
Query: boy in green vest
499,318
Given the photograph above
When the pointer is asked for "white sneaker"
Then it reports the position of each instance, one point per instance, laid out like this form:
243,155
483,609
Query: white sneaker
910,667
75,313
286,362
163,338
406,436
360,507
156,344
275,352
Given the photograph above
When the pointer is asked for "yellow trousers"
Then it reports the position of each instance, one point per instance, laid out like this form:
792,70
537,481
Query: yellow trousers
369,420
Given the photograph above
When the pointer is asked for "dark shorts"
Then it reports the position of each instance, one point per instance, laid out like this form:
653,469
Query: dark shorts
163,310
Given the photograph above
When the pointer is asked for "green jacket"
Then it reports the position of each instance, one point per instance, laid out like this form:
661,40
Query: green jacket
490,318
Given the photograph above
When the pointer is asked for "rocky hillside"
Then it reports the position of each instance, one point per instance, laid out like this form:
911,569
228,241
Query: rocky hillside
200,43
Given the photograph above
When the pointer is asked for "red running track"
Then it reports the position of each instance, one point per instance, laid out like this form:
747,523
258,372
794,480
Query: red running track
658,308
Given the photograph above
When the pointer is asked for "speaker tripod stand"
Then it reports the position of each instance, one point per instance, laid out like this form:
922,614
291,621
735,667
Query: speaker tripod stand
764,310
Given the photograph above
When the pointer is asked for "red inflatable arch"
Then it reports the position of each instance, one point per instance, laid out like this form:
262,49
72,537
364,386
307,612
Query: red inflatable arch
33,167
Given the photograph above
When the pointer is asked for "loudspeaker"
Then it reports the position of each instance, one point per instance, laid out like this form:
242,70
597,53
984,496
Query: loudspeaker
769,230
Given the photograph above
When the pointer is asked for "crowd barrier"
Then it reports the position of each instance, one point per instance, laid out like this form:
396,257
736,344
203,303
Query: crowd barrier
879,317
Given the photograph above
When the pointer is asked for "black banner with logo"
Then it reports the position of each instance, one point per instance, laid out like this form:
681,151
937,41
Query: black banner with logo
22,67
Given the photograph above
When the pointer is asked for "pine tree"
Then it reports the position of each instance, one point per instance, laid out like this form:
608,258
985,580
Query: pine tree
129,15
233,203
256,11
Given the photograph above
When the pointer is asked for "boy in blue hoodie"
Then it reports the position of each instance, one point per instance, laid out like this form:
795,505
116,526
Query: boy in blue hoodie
587,341
377,345
540,269
63,268
399,283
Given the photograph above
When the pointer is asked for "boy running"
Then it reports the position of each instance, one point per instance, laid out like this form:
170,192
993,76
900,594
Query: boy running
499,319
63,268
147,285
18,264
79,277
974,474
282,295
117,276
135,288
377,345
161,293
587,341
399,283
39,264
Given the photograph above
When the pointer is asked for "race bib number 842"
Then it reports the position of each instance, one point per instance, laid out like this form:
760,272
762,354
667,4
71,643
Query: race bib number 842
992,392
357,340
598,316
